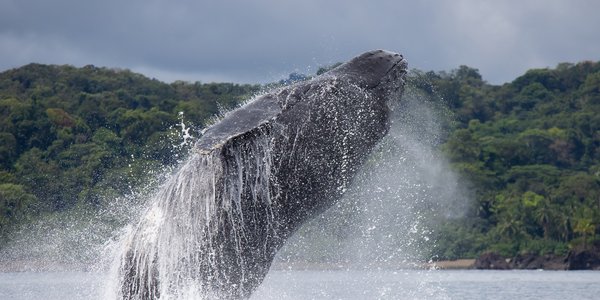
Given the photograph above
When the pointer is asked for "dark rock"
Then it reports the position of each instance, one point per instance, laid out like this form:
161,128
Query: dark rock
584,259
491,261
555,263
531,261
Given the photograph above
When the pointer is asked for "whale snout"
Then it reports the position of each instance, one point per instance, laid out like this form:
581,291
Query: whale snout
383,64
373,68
382,57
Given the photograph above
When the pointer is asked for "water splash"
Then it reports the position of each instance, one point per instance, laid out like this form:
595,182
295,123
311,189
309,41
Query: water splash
181,246
186,138
387,218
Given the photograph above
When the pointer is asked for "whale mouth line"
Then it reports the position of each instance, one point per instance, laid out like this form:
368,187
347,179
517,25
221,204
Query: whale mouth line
396,64
399,66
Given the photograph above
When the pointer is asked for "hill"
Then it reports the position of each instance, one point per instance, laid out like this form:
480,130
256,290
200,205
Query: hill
530,150
74,138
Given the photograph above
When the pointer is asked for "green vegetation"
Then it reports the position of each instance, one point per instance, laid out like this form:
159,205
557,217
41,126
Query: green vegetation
70,138
530,150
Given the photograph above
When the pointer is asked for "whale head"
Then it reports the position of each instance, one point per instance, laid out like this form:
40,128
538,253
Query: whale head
378,70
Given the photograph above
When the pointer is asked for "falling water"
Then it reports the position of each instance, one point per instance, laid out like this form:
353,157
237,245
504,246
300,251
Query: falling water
181,244
393,207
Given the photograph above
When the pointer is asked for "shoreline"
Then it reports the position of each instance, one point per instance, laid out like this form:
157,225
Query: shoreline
458,264
575,260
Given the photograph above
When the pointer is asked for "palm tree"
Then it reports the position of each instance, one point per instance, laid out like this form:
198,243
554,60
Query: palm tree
545,214
584,226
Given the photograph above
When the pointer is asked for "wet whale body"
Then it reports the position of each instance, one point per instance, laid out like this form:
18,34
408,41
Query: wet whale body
256,176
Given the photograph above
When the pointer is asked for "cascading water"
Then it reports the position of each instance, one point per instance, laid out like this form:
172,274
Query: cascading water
395,202
177,250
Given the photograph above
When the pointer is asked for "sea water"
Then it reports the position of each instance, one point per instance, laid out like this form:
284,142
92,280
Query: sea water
343,284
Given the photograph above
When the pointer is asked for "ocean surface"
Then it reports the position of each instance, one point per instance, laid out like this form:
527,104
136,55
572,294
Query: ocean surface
301,285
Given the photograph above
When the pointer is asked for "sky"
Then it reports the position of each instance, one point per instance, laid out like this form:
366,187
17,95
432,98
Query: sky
259,41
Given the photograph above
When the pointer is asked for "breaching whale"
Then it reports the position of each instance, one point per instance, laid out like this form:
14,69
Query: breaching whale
255,177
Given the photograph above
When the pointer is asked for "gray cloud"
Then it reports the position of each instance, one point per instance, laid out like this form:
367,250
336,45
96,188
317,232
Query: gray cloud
263,40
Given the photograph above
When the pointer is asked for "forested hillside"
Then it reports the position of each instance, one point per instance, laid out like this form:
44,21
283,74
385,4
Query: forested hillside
73,137
530,150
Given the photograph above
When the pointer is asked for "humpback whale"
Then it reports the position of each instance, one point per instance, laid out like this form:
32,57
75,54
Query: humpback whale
255,177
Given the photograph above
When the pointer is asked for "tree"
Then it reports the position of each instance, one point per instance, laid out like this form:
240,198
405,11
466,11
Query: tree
591,89
8,149
585,228
14,200
545,214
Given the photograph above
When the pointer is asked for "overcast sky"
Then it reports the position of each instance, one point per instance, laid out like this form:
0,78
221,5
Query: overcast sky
264,40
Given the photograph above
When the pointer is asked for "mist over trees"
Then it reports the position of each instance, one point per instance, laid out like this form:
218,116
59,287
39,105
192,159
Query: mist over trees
76,138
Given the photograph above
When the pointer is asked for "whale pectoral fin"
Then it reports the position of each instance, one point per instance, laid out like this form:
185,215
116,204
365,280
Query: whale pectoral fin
240,121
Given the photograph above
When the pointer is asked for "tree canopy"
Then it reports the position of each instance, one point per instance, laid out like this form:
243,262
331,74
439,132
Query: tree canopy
73,137
530,148
70,136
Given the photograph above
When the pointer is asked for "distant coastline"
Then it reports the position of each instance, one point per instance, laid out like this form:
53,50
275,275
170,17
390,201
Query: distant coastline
458,264
576,259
